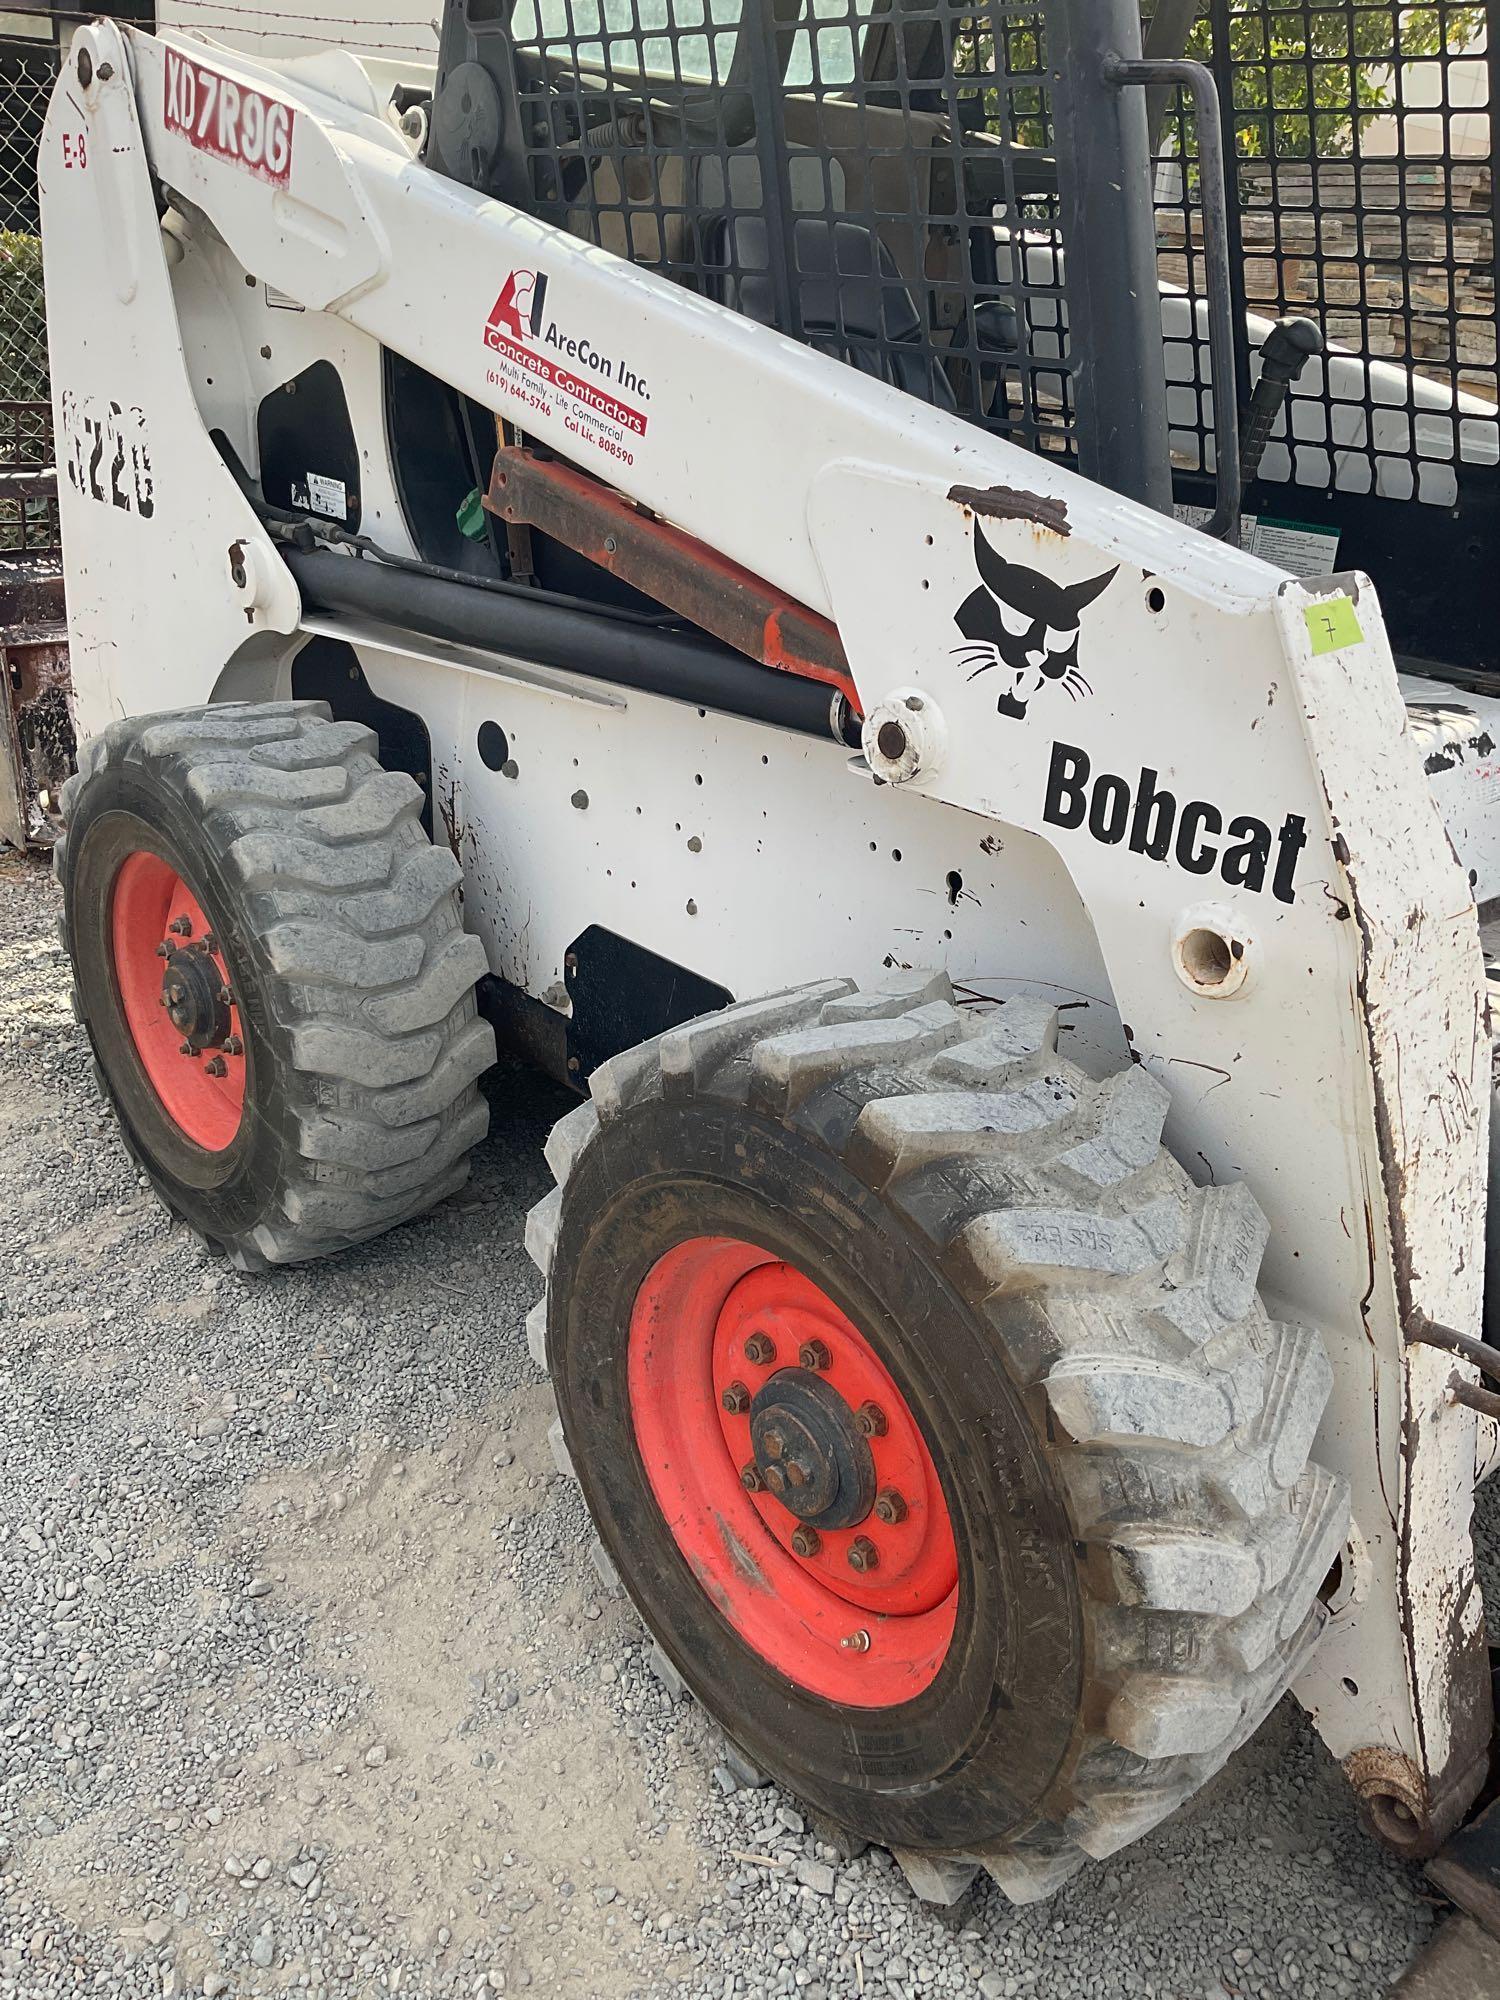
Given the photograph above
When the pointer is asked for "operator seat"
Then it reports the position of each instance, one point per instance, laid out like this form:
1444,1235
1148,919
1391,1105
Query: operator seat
851,299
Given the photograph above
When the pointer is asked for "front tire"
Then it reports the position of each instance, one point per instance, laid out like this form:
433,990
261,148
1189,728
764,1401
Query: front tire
1116,1432
270,961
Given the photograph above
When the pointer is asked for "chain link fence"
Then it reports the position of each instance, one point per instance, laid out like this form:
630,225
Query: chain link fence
28,69
28,505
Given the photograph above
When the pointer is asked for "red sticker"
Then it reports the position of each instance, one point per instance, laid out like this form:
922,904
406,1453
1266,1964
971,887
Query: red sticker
228,119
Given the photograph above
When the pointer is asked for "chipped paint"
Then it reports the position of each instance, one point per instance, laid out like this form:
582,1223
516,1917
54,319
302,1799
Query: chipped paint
744,1562
1013,503
1420,995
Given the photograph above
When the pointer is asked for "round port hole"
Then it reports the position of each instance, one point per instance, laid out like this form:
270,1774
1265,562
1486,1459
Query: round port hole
1207,958
1211,952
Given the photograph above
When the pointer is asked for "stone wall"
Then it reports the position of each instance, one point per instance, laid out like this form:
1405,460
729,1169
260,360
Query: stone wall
1383,252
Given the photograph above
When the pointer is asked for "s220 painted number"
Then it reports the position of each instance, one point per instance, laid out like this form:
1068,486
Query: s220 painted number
108,455
228,119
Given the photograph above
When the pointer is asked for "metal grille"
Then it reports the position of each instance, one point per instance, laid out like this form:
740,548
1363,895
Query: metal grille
1361,145
28,481
907,185
874,182
28,508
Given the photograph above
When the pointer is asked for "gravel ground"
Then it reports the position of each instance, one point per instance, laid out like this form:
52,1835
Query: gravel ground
306,1681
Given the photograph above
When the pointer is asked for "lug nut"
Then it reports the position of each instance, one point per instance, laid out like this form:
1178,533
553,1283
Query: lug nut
216,1066
209,942
806,1541
760,1349
814,1354
856,1642
750,1477
890,1507
774,1443
775,1480
164,951
226,996
869,1420
796,1475
863,1554
232,1045
181,926
186,1049
736,1399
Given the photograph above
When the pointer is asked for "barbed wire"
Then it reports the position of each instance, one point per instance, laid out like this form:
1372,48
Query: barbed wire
328,20
216,14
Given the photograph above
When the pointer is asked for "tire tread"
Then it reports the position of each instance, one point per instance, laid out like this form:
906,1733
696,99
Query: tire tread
371,972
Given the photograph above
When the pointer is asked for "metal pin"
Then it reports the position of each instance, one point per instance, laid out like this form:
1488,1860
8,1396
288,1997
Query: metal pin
856,1642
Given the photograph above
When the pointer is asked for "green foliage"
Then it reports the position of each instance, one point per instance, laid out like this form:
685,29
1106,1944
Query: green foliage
23,319
1307,78
1308,74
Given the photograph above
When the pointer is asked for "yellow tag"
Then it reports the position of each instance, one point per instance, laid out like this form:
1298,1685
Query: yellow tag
1332,624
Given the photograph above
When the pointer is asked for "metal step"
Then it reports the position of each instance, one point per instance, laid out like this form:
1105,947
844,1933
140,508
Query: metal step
1461,1963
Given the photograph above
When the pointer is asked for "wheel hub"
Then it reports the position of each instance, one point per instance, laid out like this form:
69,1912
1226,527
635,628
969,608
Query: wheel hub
177,1000
193,991
809,1452
793,1472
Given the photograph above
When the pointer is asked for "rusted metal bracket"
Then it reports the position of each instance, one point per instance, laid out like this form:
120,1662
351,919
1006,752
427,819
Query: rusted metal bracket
1467,1870
1461,1963
517,534
36,729
1428,1333
672,567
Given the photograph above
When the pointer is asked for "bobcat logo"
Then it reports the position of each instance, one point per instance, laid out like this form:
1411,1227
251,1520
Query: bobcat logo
1025,625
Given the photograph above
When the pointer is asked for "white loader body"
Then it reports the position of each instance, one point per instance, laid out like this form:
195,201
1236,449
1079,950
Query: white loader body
1215,848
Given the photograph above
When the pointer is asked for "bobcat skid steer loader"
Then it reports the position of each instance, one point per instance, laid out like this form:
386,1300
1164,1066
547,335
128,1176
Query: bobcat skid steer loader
685,524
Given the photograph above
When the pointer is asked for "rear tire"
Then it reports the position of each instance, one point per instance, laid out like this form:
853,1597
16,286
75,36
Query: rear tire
270,961
1119,1431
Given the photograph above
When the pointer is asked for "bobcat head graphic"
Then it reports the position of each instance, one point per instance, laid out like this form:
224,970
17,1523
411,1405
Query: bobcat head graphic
1025,626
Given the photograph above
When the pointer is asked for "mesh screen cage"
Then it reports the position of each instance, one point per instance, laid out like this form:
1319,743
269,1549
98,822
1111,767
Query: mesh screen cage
877,182
1360,141
951,198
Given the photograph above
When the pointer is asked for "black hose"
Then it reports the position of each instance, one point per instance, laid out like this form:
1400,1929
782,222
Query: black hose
305,534
531,627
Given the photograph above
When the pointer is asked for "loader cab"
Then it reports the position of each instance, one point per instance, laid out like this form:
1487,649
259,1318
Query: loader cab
943,196
859,176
